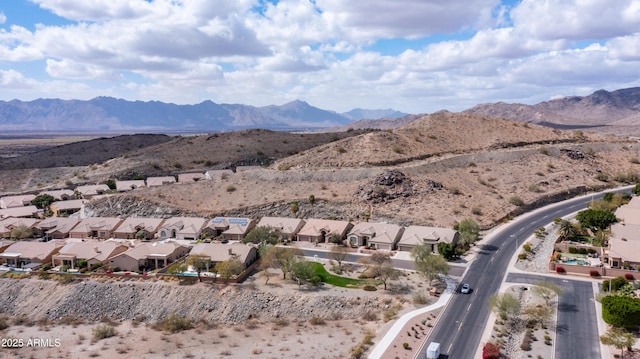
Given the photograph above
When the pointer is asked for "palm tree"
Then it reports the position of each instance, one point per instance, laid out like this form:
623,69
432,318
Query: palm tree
566,230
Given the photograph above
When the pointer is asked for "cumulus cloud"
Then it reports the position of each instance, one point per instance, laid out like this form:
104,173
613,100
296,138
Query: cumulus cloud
460,52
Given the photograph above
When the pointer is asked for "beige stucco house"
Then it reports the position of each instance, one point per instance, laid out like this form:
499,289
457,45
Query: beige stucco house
31,254
60,194
288,227
184,178
160,181
93,252
321,230
67,207
147,256
138,228
22,211
414,236
182,228
7,225
90,191
229,228
55,227
125,186
220,252
95,227
382,236
16,201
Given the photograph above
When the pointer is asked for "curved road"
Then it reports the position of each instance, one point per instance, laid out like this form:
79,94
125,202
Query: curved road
461,325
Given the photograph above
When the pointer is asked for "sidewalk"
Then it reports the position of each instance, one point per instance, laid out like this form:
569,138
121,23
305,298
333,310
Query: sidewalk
399,325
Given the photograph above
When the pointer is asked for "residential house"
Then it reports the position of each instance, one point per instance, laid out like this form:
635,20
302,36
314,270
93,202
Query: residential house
146,256
630,212
623,250
321,230
220,252
16,201
90,191
4,244
182,228
67,208
60,194
229,228
138,228
93,252
414,236
30,254
55,227
124,186
288,227
190,177
160,181
25,211
8,225
383,236
96,227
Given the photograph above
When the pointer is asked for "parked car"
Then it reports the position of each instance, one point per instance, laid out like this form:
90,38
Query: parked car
465,289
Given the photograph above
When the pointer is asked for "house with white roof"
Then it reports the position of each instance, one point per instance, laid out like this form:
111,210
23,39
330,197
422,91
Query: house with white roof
160,181
383,236
182,228
414,236
125,186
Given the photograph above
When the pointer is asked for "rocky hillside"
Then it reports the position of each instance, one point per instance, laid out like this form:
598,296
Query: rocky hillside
604,111
152,301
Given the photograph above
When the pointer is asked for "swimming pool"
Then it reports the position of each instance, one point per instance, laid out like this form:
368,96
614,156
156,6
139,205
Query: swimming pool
579,262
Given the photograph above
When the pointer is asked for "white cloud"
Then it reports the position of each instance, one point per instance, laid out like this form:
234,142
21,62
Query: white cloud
3,18
403,18
576,19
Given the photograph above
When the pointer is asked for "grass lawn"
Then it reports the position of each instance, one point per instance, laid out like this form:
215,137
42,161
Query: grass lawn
332,279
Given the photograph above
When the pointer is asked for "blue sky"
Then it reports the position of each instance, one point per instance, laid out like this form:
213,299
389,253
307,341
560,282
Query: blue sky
417,56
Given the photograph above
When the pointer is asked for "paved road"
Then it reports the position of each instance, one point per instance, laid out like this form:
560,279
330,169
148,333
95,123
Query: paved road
461,324
577,323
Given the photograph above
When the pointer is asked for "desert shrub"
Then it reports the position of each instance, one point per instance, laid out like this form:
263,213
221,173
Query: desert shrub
560,269
522,256
516,201
317,321
406,345
103,331
594,273
369,288
4,322
526,341
176,323
340,149
477,211
397,149
602,176
283,167
527,247
491,351
370,316
231,188
534,188
420,298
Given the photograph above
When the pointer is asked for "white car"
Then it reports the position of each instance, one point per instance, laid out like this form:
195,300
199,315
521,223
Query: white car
465,289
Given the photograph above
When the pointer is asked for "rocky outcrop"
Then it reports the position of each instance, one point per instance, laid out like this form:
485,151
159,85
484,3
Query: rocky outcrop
386,187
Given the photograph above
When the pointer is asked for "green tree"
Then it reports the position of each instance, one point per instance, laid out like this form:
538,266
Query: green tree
229,268
546,290
386,273
295,207
595,219
538,313
618,338
200,263
281,258
262,234
312,200
302,271
178,270
111,183
447,250
43,201
339,254
21,232
621,311
636,189
469,230
428,264
506,305
566,230
614,285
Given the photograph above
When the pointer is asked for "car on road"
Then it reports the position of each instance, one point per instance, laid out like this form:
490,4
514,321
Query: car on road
465,289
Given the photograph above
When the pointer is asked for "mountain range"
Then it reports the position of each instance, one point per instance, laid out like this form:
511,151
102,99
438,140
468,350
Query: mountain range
615,111
111,114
